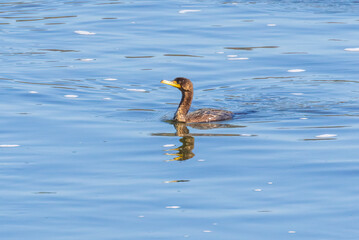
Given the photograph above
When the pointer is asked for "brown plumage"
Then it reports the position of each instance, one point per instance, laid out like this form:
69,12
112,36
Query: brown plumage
202,115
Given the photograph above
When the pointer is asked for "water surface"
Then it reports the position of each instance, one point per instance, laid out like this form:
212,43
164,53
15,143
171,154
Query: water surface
87,153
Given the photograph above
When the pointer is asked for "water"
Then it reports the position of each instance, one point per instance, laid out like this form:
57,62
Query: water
87,153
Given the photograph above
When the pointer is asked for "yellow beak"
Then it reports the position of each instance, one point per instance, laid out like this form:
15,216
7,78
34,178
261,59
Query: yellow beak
171,83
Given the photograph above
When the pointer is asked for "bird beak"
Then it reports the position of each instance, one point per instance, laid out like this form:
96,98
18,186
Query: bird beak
171,83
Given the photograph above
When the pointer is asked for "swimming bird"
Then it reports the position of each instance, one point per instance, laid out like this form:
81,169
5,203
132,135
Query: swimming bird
202,115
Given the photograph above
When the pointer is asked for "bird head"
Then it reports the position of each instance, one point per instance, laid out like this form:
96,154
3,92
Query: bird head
183,84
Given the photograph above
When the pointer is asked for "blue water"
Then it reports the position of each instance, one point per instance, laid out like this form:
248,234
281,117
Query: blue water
86,151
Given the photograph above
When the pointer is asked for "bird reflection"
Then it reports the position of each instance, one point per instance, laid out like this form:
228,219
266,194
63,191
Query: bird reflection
185,151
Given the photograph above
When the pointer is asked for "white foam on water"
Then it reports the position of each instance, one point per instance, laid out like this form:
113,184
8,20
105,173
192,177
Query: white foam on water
303,118
168,145
201,160
232,56
291,231
270,183
297,94
110,79
326,136
296,70
352,49
71,96
84,32
107,98
271,24
220,52
257,190
188,11
33,92
207,231
173,207
136,90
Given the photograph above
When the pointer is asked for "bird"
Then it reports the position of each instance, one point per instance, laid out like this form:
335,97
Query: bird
201,115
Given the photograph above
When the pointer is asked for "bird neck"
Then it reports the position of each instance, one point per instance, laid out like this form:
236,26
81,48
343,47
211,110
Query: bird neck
184,106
